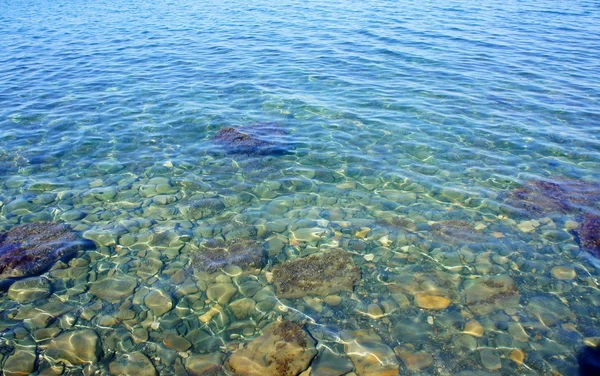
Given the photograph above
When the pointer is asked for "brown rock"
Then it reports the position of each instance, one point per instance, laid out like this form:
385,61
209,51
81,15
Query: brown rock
318,274
431,301
474,328
517,356
369,354
415,361
283,349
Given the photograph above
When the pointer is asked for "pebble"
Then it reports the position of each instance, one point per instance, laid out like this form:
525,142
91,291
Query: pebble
75,347
176,342
474,328
29,289
22,362
374,311
208,364
490,358
517,332
563,273
369,354
526,226
134,364
517,356
115,288
415,362
333,300
241,308
431,301
221,292
212,312
158,302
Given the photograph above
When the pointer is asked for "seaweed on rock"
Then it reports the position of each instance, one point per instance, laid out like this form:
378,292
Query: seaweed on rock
318,274
558,195
32,248
252,140
589,234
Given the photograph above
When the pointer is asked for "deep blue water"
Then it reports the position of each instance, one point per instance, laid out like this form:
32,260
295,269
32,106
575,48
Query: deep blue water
426,111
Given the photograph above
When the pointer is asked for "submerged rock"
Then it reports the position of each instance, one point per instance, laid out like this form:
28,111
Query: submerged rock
29,289
75,347
31,249
556,195
318,274
487,294
369,354
202,208
256,139
134,364
457,232
589,234
114,288
214,255
283,349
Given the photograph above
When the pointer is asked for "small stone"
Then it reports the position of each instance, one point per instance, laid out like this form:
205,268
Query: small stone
75,347
414,362
563,273
374,311
115,288
474,328
362,233
307,235
369,354
333,300
330,363
432,301
221,292
517,332
526,226
517,356
369,257
28,290
22,362
241,308
490,359
203,365
134,364
176,342
212,312
313,303
158,302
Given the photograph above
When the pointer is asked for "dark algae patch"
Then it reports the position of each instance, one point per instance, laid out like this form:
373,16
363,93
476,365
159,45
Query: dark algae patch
216,254
319,274
32,248
540,197
589,234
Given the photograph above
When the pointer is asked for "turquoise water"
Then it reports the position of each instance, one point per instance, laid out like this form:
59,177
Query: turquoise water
397,117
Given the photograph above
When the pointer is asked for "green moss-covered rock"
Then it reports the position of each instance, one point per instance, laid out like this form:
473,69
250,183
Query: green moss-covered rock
318,274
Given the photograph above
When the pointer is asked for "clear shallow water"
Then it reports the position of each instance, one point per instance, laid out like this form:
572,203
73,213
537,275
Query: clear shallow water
399,116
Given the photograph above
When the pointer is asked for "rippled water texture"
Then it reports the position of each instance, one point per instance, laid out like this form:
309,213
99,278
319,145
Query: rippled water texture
373,187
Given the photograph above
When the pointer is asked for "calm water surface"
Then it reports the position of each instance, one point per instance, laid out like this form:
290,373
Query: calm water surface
444,145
